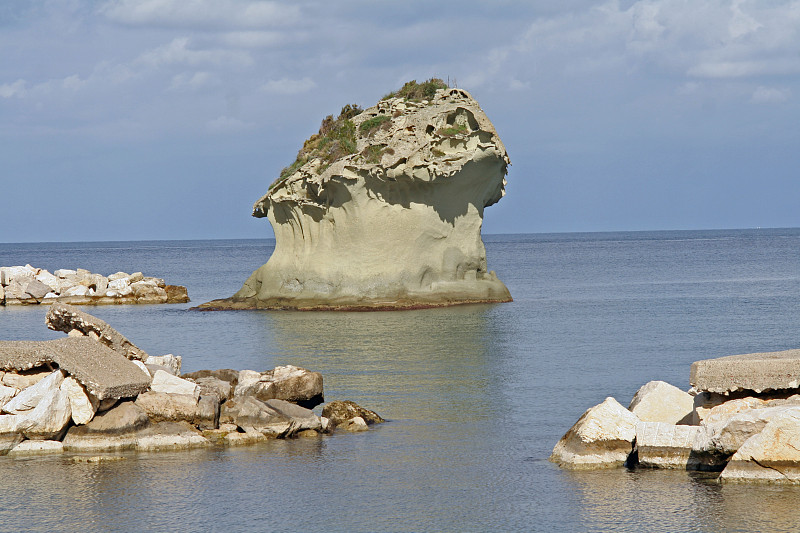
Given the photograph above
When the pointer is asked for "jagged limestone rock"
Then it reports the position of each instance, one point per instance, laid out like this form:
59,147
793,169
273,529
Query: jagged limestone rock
394,223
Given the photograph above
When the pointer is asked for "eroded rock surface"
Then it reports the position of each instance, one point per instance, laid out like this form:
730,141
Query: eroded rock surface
394,222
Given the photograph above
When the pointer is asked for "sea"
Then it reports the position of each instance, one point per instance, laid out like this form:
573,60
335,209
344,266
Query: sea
476,396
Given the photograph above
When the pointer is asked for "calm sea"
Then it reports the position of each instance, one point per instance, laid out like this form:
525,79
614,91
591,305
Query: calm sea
476,396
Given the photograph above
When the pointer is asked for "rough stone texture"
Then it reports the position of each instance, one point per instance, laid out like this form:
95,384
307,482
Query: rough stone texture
176,294
6,393
101,370
25,378
246,438
29,398
601,438
49,419
341,411
355,424
161,406
171,363
63,317
8,441
248,412
705,402
664,445
753,372
297,385
722,437
170,436
398,231
255,384
165,382
37,289
302,418
210,386
225,374
82,404
37,447
658,401
771,456
112,430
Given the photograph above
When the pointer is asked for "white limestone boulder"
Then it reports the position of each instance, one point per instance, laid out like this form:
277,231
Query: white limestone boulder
83,404
601,438
29,398
171,363
165,382
664,445
37,447
658,401
771,456
49,419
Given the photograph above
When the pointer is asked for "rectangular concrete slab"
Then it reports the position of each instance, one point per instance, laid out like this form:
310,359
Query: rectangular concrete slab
756,372
104,372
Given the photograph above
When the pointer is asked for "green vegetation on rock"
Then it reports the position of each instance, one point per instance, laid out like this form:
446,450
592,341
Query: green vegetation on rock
372,124
418,91
452,131
335,139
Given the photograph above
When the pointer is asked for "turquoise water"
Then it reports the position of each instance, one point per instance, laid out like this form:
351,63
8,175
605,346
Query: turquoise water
476,396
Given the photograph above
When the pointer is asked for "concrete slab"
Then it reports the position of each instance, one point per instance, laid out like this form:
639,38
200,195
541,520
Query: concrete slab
757,372
104,372
64,317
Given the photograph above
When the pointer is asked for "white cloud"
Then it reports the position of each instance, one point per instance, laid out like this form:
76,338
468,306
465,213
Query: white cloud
193,81
252,39
178,52
517,85
226,124
216,14
73,82
289,86
770,95
16,89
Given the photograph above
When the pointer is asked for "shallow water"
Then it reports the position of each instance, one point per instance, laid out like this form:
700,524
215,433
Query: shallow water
476,396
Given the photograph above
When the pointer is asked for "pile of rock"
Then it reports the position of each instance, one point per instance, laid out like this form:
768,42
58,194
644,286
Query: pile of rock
25,285
740,418
95,391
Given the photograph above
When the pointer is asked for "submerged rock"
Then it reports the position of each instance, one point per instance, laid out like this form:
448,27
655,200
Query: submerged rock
340,411
383,209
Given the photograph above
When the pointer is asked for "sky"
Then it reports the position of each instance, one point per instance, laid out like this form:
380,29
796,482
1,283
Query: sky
168,119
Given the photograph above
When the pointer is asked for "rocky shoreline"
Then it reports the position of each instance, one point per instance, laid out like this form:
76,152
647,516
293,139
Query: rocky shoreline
27,285
740,420
94,391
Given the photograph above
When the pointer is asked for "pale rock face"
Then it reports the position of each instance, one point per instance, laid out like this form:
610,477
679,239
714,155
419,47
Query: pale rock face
355,424
82,404
49,419
724,436
602,438
6,393
658,401
664,445
771,456
48,279
77,290
171,362
399,231
31,397
118,284
165,382
23,380
37,447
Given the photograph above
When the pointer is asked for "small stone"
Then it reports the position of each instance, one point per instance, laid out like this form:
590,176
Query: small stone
355,424
341,411
171,363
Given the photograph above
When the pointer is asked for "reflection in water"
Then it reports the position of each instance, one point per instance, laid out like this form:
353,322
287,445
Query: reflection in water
618,499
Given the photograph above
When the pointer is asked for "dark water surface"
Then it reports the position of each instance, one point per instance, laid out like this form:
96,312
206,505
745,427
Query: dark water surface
476,396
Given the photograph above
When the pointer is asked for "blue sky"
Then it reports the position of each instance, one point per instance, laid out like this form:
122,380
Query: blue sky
167,119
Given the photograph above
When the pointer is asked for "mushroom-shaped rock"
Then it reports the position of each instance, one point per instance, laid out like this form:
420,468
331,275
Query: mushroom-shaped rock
601,438
383,210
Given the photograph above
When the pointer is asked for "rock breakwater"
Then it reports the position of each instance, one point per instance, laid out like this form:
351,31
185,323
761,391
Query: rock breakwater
27,285
740,420
94,391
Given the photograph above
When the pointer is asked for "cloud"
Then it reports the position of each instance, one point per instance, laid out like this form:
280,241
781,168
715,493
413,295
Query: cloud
288,86
214,14
11,90
178,52
193,81
226,124
770,95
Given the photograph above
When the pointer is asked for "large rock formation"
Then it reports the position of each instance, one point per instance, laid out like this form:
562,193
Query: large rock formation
383,209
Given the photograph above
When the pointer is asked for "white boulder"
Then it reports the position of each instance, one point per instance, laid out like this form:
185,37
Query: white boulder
29,398
658,401
83,404
601,438
163,381
663,445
